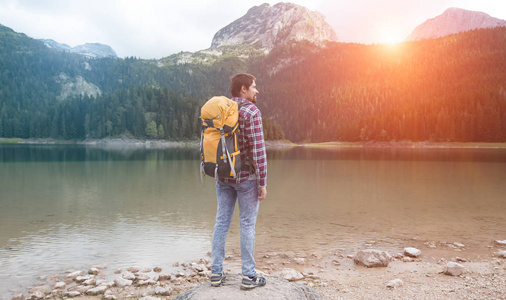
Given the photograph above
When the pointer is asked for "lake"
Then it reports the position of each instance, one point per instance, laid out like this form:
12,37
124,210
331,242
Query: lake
75,206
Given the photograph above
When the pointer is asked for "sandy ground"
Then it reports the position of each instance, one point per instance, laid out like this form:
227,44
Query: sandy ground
336,276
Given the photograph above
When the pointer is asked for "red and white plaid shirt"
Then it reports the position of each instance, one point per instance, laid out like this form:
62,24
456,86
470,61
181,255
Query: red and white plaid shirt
251,137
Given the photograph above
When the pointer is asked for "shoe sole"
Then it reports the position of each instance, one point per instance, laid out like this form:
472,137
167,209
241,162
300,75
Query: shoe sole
250,287
217,283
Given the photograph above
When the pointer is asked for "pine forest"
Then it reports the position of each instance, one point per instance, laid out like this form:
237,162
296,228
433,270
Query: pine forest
450,89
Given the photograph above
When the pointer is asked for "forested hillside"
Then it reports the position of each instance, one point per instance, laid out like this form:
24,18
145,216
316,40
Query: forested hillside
448,89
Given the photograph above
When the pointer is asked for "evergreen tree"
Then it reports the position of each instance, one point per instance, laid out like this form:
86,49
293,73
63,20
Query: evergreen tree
151,130
161,132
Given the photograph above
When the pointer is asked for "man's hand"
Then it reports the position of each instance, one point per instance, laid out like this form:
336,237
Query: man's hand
262,192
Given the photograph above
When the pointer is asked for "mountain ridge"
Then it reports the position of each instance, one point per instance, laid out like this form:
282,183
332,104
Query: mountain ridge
266,26
454,20
92,50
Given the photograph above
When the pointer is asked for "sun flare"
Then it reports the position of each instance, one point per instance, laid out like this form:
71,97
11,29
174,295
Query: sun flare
389,35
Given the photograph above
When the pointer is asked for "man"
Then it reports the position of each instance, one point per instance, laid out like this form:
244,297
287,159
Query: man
248,188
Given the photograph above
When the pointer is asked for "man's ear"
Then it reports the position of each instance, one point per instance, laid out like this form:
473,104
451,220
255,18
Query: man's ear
244,89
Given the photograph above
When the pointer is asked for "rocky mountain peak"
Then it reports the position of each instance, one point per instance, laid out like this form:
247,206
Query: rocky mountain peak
454,20
93,50
55,45
266,26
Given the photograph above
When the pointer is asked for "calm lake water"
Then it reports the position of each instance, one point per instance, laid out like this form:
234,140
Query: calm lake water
76,206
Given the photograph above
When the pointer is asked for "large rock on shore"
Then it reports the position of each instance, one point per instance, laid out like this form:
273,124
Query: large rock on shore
412,252
276,288
291,274
501,254
372,258
453,269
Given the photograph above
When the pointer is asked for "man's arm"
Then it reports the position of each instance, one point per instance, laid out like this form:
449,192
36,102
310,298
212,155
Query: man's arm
255,136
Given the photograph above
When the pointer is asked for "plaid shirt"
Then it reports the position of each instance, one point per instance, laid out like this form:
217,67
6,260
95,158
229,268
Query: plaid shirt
251,137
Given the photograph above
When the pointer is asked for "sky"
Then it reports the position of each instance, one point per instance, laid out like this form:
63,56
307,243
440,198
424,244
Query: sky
152,29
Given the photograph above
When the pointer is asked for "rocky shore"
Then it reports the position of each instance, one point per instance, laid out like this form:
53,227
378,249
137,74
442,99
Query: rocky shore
428,271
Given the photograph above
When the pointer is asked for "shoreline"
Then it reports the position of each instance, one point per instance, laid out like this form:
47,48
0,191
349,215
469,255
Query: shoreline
333,273
284,144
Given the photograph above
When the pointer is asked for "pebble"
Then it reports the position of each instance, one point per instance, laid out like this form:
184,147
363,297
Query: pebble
395,283
459,245
133,270
73,294
82,288
147,282
74,274
299,260
122,282
501,254
291,274
91,281
37,295
198,267
162,276
372,258
80,279
453,269
100,267
431,245
412,252
162,291
97,290
93,271
128,275
60,285
141,277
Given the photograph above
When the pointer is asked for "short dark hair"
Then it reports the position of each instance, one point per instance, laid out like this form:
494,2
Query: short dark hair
238,80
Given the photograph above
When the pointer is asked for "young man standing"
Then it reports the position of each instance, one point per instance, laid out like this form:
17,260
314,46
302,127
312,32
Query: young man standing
248,188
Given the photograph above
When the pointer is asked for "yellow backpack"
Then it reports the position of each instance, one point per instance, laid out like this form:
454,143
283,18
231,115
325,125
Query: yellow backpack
219,145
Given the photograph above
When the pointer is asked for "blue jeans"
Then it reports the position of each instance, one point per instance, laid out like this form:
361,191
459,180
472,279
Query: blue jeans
246,194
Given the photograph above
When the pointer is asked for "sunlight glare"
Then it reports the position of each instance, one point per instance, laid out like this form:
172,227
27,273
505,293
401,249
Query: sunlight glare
389,35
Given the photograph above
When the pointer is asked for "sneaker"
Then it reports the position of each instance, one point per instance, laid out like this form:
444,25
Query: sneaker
249,283
217,279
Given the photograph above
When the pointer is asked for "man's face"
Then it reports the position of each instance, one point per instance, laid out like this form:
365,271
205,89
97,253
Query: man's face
251,93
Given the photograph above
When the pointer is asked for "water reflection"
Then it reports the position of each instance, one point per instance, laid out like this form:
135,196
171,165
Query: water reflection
61,153
386,153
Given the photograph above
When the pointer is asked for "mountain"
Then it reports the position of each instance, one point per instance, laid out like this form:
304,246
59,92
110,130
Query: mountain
454,20
92,50
52,44
265,27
